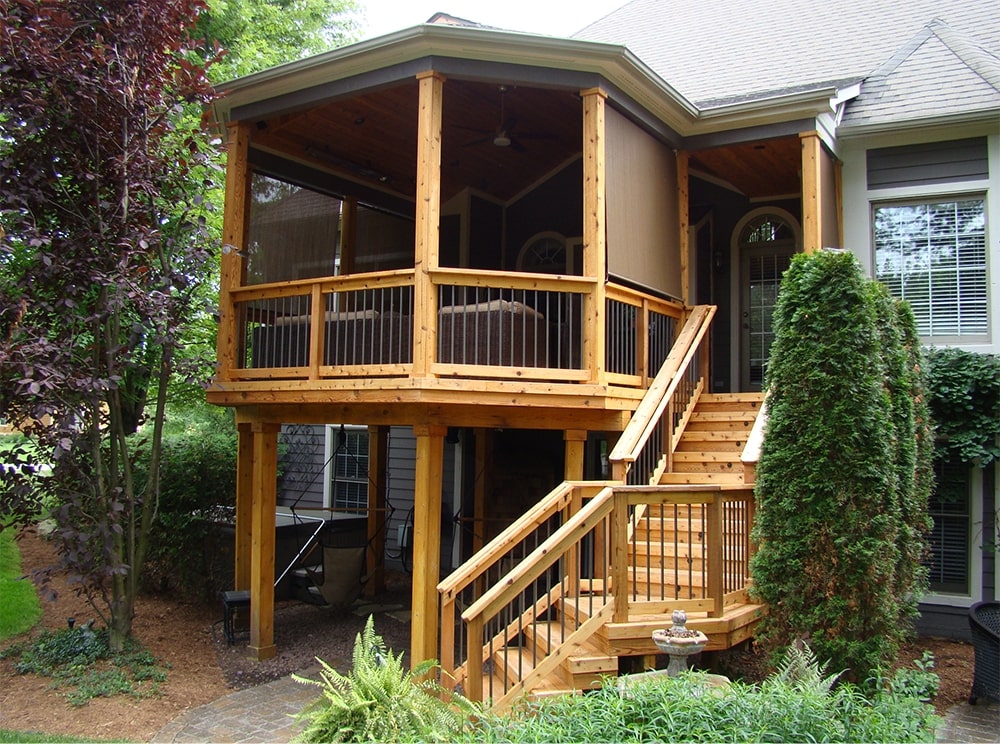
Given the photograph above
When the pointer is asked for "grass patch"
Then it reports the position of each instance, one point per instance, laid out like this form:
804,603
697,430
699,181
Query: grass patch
32,737
20,609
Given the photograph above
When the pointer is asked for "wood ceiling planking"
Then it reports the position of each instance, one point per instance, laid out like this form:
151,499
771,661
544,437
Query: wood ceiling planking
757,169
372,138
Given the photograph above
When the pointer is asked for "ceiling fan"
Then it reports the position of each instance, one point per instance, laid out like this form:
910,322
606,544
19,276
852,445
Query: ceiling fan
504,135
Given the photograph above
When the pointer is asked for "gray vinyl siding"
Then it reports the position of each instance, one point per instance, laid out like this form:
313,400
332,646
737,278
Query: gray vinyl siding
401,470
928,163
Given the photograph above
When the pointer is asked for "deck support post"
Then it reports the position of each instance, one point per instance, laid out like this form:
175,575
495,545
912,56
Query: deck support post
265,493
242,558
426,542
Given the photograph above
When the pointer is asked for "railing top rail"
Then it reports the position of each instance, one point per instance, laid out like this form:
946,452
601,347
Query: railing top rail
651,408
557,499
513,280
345,282
635,297
543,556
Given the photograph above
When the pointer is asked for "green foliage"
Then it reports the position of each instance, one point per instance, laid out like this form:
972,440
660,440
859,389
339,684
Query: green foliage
800,704
964,394
81,660
841,499
258,34
19,607
198,474
380,701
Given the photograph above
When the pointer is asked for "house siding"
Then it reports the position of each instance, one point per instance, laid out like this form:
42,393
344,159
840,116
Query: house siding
928,163
918,165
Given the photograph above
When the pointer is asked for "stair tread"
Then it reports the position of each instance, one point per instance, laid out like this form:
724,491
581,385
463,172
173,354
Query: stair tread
707,456
731,479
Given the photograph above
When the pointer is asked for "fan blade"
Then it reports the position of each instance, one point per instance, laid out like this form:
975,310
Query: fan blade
516,145
479,141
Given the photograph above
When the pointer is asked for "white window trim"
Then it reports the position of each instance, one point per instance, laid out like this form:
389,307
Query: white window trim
975,548
858,216
925,196
329,446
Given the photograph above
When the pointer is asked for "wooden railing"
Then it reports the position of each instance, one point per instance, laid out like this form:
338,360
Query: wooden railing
479,324
600,551
584,574
646,446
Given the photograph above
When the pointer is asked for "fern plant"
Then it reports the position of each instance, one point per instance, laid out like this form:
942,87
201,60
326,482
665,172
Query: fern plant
379,700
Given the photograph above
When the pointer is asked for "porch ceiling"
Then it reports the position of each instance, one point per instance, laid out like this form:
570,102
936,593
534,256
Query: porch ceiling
372,137
765,168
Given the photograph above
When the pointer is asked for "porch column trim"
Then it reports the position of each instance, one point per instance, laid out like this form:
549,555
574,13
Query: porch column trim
265,487
683,224
426,542
812,189
235,219
428,218
595,259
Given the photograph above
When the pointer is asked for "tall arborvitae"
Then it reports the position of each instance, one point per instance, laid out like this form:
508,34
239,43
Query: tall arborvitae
838,444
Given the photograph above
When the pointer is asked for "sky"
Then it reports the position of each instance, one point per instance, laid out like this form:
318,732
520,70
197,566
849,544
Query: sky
549,17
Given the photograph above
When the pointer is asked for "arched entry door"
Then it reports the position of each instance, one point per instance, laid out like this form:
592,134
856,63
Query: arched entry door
766,240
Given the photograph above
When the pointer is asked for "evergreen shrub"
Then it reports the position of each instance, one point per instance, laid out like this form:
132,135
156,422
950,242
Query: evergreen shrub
842,485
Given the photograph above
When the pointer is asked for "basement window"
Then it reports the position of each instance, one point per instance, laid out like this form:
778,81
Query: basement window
347,467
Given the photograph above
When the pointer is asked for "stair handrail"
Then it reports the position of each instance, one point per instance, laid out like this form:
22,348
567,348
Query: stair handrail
531,568
650,410
567,497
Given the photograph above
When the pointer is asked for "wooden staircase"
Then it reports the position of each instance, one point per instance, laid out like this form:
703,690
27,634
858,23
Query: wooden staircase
668,556
621,557
711,446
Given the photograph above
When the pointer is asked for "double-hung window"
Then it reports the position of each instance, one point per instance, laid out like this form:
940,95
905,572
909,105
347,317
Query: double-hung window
949,558
347,472
932,253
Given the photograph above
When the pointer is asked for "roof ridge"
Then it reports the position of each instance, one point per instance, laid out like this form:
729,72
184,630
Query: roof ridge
973,54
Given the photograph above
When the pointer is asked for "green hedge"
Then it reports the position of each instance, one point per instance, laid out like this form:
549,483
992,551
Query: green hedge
187,553
841,497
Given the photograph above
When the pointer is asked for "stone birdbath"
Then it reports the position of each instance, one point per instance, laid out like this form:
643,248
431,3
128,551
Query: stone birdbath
679,642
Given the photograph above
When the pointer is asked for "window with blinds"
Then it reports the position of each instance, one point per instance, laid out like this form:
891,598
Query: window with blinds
933,255
949,559
348,468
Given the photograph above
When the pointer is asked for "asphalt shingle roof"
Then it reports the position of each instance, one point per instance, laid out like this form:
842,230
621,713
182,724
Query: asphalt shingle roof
715,51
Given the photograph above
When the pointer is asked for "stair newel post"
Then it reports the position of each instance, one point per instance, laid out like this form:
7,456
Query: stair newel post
713,539
619,555
448,621
474,660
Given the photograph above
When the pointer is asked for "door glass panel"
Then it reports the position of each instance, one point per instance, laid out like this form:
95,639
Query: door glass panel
764,273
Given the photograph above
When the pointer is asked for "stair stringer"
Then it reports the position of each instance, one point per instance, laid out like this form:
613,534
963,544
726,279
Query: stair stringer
548,665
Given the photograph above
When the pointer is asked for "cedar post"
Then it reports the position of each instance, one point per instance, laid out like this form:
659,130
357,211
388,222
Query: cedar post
812,189
265,492
427,221
595,260
426,542
234,239
244,507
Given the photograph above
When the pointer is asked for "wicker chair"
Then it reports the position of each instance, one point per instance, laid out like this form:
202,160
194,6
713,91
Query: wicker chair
984,621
